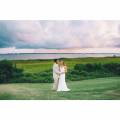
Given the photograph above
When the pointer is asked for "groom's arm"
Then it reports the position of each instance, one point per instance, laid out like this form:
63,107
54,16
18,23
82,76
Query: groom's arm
56,70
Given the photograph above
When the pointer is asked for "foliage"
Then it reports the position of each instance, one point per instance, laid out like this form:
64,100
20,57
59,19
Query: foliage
39,71
42,77
8,71
88,71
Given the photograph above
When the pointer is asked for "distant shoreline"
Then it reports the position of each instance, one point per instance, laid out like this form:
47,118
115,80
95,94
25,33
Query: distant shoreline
55,53
58,58
50,56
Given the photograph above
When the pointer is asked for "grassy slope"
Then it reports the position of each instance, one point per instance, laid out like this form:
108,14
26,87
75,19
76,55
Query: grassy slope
38,66
104,88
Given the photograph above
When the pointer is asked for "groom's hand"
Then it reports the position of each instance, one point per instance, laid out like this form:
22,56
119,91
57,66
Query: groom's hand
61,73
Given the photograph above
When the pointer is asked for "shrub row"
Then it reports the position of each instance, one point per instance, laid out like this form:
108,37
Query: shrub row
10,74
88,71
42,77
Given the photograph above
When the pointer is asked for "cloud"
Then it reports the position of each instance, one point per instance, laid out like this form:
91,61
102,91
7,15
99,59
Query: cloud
59,34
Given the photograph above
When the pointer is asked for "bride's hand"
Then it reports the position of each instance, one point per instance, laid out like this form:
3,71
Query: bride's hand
65,68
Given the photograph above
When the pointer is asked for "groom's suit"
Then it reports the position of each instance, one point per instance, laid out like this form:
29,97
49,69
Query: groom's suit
56,74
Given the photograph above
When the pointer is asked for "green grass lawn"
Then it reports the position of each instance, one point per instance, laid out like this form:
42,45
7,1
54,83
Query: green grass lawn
94,89
34,66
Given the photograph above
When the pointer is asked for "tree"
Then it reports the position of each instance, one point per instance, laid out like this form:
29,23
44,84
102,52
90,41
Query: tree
8,71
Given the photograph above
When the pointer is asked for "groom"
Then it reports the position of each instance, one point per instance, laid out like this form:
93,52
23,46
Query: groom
56,73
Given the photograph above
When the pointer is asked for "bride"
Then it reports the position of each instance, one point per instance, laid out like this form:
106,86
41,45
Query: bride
61,83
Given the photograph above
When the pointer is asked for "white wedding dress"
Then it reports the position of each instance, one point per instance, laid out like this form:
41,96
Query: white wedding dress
62,84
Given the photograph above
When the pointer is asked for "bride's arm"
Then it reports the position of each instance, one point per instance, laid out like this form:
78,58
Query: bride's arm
65,68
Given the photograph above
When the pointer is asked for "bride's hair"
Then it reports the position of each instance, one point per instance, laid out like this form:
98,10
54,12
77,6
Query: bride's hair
64,63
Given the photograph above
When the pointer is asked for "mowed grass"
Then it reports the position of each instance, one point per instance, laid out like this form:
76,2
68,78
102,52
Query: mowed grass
34,66
94,89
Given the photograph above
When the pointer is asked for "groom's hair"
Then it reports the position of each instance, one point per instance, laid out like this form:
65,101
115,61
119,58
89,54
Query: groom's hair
55,60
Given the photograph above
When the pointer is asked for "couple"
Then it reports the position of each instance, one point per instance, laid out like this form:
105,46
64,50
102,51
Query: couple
59,70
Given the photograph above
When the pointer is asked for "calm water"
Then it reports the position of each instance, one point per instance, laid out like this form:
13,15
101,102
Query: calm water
52,56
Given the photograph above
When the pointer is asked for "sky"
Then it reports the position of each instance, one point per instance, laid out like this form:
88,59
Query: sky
29,36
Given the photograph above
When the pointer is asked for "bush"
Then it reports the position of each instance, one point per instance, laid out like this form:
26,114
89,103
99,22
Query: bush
8,71
89,71
84,73
42,77
79,67
112,67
